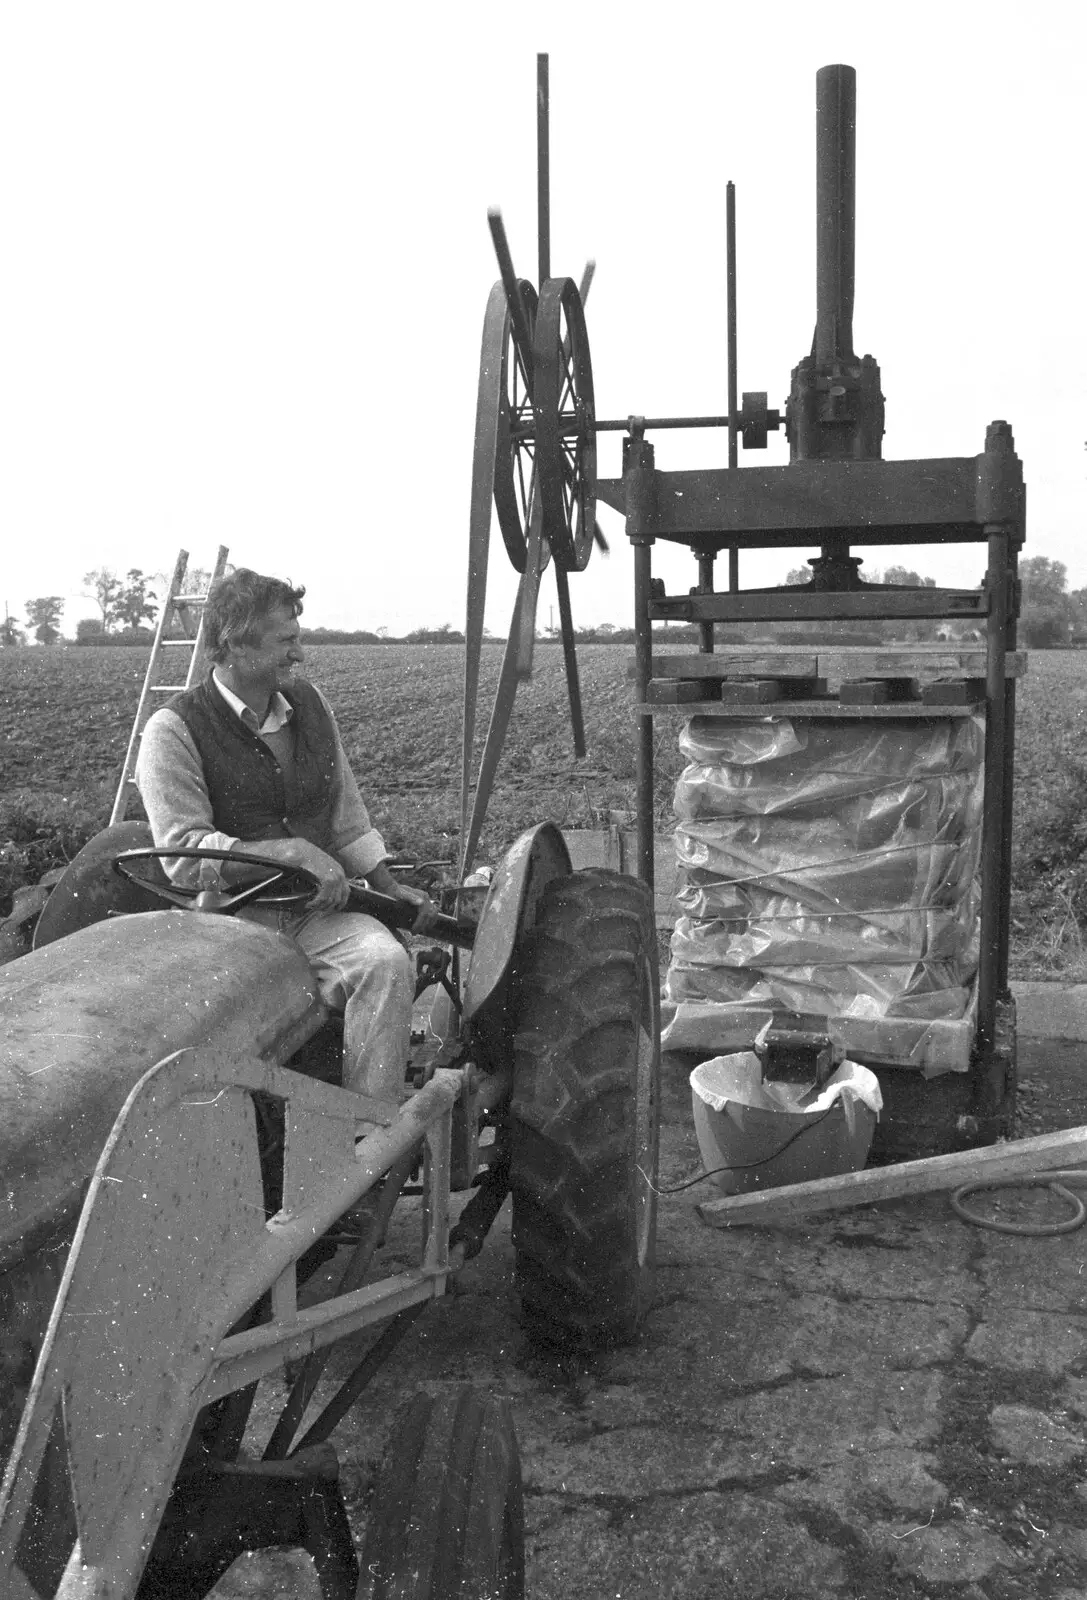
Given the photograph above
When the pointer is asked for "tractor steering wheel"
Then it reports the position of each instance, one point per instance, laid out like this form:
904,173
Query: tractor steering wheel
224,901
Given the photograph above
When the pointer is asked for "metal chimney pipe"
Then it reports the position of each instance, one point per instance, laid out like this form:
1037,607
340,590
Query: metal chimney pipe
835,188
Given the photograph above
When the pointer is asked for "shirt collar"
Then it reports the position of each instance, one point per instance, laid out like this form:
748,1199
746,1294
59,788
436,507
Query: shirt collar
278,715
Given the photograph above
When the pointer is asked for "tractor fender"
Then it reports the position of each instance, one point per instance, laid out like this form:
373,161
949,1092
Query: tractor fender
509,911
84,1019
90,890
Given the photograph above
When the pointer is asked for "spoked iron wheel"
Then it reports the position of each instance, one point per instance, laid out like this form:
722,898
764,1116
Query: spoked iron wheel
566,424
535,460
515,441
447,1522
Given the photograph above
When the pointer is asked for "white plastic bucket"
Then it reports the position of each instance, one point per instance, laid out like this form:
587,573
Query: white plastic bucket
759,1136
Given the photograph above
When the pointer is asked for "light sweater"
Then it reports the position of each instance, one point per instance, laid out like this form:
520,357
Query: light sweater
170,778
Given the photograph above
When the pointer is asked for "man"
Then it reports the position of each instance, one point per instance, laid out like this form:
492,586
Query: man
251,760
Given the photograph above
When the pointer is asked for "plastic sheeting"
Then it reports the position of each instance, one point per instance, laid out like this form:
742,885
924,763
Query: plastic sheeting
829,866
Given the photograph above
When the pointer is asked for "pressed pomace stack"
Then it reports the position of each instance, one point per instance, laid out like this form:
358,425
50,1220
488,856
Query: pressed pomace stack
828,867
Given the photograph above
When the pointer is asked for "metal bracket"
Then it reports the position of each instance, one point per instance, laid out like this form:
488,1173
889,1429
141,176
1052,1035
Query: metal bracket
798,1049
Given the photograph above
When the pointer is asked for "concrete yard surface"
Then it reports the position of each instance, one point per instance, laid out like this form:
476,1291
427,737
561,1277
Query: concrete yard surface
881,1403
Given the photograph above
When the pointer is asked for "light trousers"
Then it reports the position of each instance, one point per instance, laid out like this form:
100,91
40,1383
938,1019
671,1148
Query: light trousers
364,971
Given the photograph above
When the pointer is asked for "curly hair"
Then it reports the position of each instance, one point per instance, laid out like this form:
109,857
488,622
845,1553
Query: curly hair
238,605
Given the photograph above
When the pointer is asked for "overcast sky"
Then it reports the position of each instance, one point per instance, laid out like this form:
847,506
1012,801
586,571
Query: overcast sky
246,260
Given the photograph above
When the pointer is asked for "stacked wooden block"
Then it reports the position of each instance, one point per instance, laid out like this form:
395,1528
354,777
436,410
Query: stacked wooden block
849,680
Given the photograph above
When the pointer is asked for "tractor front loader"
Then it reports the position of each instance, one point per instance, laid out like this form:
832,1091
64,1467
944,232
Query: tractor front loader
174,1164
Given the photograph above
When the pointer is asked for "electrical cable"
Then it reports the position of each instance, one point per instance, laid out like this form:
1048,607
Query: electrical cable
1037,1180
740,1166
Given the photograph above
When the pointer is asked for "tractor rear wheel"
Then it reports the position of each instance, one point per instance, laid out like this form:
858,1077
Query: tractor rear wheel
585,1111
447,1521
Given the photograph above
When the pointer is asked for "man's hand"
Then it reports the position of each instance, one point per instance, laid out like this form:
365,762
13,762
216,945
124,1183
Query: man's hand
383,881
426,912
333,892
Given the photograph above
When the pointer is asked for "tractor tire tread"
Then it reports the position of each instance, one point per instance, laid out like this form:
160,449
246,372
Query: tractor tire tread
447,1519
581,1002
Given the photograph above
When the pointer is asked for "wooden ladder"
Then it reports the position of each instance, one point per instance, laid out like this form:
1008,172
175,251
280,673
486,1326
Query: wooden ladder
188,609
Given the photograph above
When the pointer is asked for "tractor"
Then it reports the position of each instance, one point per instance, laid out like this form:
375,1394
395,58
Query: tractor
177,1156
193,1204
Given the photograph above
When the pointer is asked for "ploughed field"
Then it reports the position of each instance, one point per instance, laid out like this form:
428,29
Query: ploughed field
66,714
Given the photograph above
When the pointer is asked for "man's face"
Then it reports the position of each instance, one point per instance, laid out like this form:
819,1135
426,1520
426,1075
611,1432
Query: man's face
270,663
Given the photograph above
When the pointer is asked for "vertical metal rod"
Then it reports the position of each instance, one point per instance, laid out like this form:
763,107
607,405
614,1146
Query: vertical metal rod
569,654
705,586
730,254
733,418
500,717
992,855
543,169
1009,794
529,589
643,663
1006,864
835,225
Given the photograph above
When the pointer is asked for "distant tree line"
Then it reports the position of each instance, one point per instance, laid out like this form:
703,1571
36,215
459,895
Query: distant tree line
1050,617
903,577
123,603
42,619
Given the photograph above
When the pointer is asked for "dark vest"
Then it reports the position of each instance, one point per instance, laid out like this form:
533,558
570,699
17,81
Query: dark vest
252,796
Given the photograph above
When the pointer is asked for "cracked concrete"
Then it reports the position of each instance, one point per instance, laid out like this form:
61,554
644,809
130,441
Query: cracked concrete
1033,1437
880,1404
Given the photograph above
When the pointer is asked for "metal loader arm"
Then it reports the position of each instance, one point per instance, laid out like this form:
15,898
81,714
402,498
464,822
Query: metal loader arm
172,1249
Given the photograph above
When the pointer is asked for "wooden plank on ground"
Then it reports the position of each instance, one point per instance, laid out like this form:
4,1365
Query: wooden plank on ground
1017,1159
